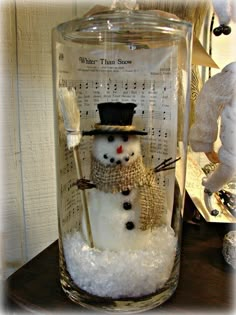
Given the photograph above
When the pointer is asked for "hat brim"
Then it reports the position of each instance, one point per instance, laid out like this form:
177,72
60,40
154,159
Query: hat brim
95,132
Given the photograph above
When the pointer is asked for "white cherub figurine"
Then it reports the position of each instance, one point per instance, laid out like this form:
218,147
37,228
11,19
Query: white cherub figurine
217,99
226,12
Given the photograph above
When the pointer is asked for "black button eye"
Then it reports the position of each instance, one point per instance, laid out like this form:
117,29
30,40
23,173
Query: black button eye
110,138
125,138
105,156
132,154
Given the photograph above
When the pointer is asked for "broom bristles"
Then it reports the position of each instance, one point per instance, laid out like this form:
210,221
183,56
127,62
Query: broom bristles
69,109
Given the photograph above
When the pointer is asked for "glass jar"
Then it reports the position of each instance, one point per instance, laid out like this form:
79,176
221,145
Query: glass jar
121,87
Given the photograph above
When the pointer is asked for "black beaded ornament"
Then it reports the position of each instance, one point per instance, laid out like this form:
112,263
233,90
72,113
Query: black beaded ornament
222,29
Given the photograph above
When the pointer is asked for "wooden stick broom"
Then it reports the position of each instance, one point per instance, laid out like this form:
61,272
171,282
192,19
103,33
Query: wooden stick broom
71,116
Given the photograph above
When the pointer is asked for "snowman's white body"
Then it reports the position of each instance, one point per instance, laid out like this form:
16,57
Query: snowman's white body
114,226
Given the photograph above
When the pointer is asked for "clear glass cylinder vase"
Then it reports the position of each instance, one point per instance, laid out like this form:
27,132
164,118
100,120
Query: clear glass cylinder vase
121,87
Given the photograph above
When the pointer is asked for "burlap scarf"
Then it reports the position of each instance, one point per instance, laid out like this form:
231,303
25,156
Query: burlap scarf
114,179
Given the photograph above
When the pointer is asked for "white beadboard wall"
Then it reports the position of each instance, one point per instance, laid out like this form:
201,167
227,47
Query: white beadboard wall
27,179
12,223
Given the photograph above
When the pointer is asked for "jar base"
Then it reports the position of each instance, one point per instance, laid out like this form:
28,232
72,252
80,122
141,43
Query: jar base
124,305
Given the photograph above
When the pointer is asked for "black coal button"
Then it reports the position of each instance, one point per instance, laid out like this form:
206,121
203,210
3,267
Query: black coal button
125,192
127,205
130,225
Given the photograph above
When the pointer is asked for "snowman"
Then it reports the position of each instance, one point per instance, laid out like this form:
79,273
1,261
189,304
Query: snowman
125,203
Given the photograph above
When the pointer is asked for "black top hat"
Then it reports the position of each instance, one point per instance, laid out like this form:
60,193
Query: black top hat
115,118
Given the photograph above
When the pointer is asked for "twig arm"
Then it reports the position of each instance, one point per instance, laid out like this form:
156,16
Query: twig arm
164,165
83,184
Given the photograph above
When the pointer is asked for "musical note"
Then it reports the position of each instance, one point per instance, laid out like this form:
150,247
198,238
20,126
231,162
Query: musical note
159,148
153,147
165,150
161,115
153,86
166,115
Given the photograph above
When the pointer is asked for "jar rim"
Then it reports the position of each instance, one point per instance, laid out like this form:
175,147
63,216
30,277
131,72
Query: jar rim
149,18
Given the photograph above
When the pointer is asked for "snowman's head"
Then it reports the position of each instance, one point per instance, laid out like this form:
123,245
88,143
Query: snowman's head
116,149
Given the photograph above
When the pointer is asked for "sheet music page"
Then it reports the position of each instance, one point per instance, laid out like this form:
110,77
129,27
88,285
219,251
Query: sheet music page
146,77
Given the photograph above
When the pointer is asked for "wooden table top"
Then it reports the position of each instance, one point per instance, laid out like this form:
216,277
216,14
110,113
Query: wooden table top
205,279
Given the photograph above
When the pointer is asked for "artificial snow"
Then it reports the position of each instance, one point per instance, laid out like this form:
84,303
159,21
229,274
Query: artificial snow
124,273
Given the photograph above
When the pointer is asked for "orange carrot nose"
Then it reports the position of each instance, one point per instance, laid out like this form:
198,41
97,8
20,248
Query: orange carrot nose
119,149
